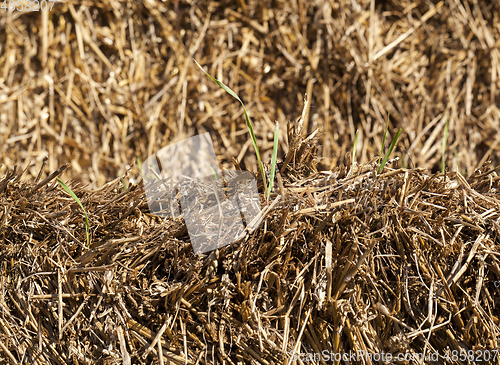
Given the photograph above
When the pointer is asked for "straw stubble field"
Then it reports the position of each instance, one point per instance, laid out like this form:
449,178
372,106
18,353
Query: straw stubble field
406,262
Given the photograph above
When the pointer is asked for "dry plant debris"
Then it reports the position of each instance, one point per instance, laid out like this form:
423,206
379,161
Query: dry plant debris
403,263
99,83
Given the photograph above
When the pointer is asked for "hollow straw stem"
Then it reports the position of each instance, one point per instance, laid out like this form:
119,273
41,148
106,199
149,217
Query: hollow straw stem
443,149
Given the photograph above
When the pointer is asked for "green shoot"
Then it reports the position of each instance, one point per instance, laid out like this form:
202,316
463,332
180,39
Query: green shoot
273,159
249,124
215,174
383,141
388,153
139,163
354,151
443,150
70,192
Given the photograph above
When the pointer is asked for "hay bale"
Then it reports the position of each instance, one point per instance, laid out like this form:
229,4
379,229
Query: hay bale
401,263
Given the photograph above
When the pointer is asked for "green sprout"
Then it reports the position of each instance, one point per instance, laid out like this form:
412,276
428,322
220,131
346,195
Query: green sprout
73,195
273,159
249,126
443,149
388,153
139,163
215,174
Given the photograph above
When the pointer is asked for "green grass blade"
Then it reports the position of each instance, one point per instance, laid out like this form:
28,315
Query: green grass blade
249,124
75,198
273,159
213,171
139,163
443,149
388,153
383,141
354,150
